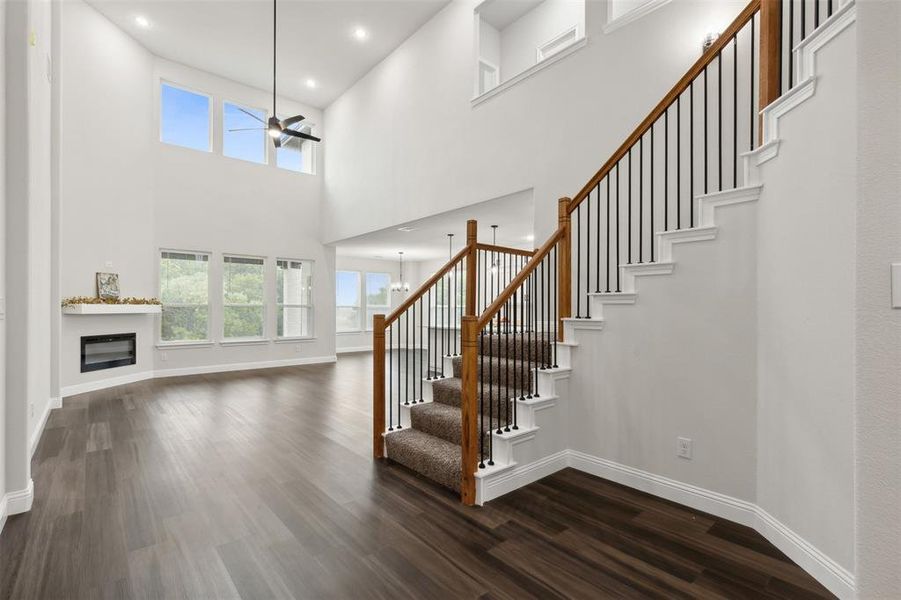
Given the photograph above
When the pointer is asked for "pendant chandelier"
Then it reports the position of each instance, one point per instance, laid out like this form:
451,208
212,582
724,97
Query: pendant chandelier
494,243
402,285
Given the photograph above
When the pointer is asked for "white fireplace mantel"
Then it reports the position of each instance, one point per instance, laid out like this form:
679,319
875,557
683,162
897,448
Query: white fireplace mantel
111,309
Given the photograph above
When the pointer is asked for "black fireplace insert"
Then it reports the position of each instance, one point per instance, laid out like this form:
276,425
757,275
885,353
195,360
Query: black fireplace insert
107,351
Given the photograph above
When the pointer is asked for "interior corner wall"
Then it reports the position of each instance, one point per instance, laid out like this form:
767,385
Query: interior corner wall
520,40
550,132
805,290
877,416
3,7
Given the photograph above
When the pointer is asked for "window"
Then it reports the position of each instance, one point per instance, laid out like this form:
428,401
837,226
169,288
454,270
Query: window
242,298
184,291
243,133
378,296
294,298
184,118
556,44
296,154
347,301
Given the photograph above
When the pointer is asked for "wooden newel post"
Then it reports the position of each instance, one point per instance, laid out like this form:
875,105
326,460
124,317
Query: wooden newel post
469,410
471,266
378,385
564,265
770,54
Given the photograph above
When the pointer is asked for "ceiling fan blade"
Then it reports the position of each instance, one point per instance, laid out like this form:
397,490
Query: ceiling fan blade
250,114
298,134
291,121
248,129
277,141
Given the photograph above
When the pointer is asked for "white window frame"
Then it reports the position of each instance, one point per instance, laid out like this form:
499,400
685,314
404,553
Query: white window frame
227,340
367,325
265,135
313,153
360,306
310,306
184,88
206,340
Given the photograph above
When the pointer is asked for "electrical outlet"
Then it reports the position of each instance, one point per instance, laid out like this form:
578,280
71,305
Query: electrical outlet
164,356
684,447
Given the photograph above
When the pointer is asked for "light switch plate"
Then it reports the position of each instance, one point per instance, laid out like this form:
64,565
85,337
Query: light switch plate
896,285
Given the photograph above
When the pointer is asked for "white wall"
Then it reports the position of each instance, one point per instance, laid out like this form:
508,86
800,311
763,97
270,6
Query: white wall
520,40
678,363
877,335
806,301
550,132
3,256
125,197
106,176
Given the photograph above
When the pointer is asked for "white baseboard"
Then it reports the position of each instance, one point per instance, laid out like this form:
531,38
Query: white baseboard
52,403
350,349
100,384
833,576
224,368
13,503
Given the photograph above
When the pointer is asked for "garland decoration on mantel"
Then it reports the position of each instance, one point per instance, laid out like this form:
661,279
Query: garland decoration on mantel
94,300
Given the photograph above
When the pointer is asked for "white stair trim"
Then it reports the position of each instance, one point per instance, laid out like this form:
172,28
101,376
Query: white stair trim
666,239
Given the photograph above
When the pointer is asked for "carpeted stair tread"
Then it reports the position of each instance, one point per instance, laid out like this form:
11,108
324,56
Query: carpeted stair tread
428,455
443,421
501,371
450,391
519,346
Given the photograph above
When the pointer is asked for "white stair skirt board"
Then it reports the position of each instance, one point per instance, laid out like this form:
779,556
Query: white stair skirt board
805,60
39,430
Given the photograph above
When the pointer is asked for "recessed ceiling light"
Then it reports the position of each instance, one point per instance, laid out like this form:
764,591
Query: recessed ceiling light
530,237
360,33
406,229
142,21
311,83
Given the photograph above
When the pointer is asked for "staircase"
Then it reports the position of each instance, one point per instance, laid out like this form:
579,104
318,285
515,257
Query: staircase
477,405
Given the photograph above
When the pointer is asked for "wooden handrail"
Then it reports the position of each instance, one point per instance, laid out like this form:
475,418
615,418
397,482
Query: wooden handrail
504,250
520,278
421,290
696,69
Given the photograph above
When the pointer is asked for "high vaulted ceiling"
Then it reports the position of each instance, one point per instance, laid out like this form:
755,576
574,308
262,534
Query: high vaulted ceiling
233,38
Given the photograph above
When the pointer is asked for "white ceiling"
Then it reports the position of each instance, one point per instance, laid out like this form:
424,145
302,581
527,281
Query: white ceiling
233,38
512,214
501,13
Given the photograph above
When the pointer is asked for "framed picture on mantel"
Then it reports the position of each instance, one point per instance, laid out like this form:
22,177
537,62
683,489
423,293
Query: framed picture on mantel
108,286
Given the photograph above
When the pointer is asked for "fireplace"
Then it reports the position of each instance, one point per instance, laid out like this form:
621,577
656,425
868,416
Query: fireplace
107,351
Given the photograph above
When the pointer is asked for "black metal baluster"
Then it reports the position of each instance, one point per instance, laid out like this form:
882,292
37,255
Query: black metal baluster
803,23
415,352
791,44
629,217
618,227
719,118
607,237
816,14
706,136
528,316
391,377
490,393
419,352
406,318
597,260
556,315
679,161
399,424
505,397
735,111
691,154
829,8
537,325
666,169
479,372
516,352
651,236
641,199
751,100
578,261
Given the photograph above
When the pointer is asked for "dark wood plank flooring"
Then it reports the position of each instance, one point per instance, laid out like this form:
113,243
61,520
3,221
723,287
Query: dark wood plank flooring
260,485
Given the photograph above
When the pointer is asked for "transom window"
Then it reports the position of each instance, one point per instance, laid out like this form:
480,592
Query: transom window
184,118
243,133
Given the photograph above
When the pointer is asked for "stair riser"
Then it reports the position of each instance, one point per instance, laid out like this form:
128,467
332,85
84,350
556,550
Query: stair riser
510,374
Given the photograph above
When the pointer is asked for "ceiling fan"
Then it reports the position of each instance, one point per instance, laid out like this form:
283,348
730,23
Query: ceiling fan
279,130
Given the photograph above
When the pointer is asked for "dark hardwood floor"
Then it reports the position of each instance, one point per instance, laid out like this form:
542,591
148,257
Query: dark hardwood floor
260,485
